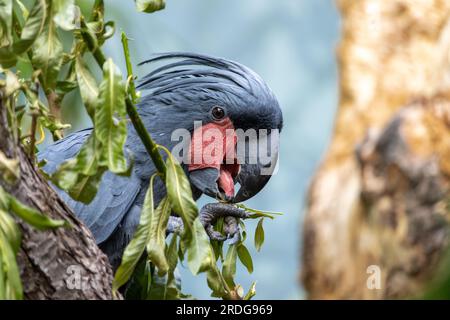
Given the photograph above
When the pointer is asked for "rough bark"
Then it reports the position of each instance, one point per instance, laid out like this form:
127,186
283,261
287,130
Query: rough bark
64,263
381,194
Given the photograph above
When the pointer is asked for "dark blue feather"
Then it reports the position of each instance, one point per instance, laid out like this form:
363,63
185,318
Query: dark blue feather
115,195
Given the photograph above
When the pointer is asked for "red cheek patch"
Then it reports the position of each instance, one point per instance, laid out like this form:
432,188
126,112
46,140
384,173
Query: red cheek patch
211,146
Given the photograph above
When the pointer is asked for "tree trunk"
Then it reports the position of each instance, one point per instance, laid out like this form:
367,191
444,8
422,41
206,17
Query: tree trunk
379,204
64,263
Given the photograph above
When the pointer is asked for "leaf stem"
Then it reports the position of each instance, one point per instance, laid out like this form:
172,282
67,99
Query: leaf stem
126,51
34,116
53,99
150,145
93,48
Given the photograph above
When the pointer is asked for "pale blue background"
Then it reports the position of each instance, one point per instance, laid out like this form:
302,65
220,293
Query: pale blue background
291,44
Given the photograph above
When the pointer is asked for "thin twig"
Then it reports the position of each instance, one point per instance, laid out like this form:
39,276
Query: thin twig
53,100
149,143
131,86
34,116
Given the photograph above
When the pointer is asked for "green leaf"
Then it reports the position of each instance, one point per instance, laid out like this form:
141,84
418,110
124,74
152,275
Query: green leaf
7,58
157,240
245,257
10,283
243,231
65,86
181,251
112,131
10,229
150,6
199,252
10,236
166,287
89,33
259,213
88,86
251,292
98,10
34,217
32,28
23,8
48,53
26,213
136,247
2,277
216,282
229,265
12,83
86,186
81,175
259,235
172,253
180,194
5,199
6,10
65,14
9,169
218,245
139,285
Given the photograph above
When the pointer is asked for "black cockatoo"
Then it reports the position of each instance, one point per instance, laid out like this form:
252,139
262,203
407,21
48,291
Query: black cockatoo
188,88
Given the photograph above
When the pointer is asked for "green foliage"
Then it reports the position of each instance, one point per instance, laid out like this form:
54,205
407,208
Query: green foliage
34,217
200,255
88,86
229,266
245,257
150,5
81,175
10,238
7,55
109,130
34,25
157,238
256,214
136,247
259,235
9,168
10,284
47,51
39,70
165,287
64,14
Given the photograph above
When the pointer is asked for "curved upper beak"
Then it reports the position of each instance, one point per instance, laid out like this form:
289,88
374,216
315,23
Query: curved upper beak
251,182
257,171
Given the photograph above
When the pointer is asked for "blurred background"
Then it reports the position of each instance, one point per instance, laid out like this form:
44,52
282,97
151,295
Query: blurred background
291,44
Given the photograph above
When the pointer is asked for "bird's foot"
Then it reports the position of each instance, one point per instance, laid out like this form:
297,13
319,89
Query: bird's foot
208,217
174,225
213,211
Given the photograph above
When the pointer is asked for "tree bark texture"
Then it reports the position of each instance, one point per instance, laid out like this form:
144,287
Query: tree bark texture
381,196
64,263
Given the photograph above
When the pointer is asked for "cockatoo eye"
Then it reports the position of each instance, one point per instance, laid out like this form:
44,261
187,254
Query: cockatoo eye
218,113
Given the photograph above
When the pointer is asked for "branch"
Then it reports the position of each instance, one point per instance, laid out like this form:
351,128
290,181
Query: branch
64,263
